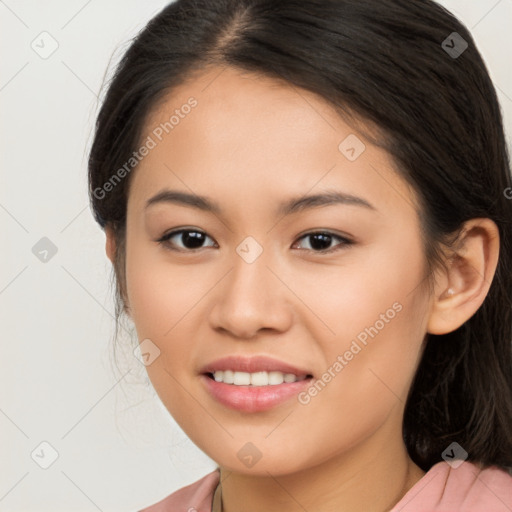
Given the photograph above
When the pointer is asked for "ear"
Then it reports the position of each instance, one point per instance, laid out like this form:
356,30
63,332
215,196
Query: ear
110,249
462,287
110,246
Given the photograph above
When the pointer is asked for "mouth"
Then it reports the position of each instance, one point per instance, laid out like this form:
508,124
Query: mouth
253,392
254,383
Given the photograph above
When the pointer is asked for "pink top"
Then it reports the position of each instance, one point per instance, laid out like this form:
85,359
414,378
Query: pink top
442,489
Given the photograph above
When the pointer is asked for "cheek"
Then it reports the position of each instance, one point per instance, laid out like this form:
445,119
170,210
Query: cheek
167,306
366,284
162,299
373,315
367,374
160,293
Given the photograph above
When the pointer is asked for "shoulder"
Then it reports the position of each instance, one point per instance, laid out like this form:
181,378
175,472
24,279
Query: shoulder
465,488
196,497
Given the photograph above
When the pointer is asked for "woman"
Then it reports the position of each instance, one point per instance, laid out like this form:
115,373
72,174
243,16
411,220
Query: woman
307,207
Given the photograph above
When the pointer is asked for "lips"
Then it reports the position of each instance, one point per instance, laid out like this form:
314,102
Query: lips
253,364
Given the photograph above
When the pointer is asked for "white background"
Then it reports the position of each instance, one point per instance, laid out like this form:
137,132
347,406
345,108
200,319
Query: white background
118,449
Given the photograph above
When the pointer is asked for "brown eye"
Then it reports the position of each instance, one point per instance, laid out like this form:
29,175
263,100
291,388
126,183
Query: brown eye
321,241
190,239
193,239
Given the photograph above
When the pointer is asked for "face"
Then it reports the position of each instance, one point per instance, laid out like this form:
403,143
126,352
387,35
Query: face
333,288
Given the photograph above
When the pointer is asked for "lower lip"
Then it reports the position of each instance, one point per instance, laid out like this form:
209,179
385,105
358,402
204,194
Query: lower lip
253,398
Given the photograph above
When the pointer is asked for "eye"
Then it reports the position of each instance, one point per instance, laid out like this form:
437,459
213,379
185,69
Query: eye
320,241
191,239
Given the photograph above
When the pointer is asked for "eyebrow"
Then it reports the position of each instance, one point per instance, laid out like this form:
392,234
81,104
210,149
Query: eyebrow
287,207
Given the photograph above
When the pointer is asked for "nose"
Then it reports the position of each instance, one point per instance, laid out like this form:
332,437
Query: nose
251,298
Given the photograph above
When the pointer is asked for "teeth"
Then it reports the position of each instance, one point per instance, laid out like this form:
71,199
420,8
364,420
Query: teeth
254,379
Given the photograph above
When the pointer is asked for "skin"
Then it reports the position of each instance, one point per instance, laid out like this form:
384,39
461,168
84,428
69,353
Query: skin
251,143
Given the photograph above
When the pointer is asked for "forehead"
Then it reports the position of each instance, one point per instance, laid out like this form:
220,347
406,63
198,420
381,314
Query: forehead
235,105
258,134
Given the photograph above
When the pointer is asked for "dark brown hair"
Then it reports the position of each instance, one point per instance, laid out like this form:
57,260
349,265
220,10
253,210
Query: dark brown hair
387,63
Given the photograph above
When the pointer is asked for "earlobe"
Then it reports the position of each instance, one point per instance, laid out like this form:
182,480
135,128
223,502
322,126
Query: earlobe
466,281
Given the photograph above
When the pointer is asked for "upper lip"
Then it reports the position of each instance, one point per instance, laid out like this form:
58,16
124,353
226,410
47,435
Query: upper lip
252,365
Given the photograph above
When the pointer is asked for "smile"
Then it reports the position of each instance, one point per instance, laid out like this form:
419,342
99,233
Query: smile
263,378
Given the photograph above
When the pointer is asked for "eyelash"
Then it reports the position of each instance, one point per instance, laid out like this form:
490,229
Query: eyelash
164,241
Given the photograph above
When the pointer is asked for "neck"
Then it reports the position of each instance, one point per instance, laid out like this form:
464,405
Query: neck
364,479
